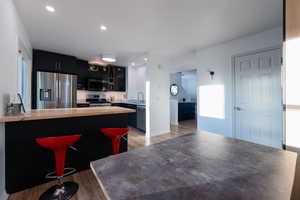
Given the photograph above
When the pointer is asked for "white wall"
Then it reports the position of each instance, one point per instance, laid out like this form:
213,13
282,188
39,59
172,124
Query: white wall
174,111
136,81
219,59
11,33
157,98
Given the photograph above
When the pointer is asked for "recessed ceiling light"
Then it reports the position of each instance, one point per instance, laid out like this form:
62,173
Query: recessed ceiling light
133,64
146,59
106,59
103,28
50,8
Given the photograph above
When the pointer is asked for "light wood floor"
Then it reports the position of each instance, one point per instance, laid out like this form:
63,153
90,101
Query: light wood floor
88,185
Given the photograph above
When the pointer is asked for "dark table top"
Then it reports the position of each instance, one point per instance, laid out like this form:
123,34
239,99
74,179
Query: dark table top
198,166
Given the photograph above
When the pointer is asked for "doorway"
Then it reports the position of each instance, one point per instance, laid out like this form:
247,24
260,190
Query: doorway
258,110
183,100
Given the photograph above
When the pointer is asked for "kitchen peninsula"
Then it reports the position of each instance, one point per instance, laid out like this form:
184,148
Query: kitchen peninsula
27,163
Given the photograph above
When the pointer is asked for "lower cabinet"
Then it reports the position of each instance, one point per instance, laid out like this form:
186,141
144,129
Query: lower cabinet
132,117
186,111
138,119
141,118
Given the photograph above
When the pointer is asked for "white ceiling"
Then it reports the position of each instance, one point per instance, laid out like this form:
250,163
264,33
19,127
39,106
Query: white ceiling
135,27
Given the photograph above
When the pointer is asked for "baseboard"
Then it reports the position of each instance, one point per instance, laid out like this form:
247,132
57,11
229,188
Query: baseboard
293,149
4,196
159,132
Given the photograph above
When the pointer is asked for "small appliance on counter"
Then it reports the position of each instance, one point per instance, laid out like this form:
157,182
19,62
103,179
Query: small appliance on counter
16,106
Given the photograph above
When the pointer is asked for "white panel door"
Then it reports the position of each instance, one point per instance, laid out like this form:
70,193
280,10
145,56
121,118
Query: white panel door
258,98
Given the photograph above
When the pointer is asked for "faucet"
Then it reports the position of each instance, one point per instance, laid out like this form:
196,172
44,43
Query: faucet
139,100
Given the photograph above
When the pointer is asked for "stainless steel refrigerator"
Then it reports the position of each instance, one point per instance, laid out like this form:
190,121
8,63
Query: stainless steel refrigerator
55,90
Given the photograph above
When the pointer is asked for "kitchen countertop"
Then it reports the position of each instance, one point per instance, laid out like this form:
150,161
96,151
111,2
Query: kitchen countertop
198,166
117,102
130,102
65,113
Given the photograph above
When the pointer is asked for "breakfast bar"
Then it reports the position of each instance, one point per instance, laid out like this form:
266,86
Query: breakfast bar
27,163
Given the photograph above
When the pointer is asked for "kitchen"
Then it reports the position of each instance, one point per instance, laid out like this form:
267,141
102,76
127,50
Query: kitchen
69,95
92,83
75,89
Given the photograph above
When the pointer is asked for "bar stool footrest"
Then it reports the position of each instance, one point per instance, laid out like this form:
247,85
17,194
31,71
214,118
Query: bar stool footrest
69,172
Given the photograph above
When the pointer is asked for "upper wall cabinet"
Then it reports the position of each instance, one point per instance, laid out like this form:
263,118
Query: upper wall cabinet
53,62
82,73
119,79
113,78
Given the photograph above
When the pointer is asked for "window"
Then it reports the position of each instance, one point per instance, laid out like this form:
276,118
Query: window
212,101
24,79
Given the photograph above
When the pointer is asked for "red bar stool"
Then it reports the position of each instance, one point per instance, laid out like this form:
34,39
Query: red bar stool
115,134
59,146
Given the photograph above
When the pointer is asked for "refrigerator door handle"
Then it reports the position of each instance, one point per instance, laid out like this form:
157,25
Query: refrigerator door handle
57,92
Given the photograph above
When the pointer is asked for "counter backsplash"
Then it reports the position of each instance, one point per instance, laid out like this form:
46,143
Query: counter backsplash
115,96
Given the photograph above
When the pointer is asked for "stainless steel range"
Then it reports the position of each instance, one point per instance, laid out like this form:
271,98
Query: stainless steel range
94,100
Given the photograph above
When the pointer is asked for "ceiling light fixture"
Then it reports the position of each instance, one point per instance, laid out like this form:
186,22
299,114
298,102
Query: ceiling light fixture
133,63
103,28
50,8
109,58
97,61
145,59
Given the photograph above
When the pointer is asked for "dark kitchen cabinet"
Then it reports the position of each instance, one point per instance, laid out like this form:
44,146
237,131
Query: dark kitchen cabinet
53,62
82,74
132,117
138,119
44,61
112,78
141,118
186,111
103,72
67,64
120,79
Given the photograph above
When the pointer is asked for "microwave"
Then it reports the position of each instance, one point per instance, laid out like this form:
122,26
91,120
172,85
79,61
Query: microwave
97,85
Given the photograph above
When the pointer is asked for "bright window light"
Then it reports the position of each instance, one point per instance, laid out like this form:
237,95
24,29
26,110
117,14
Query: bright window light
212,101
292,72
